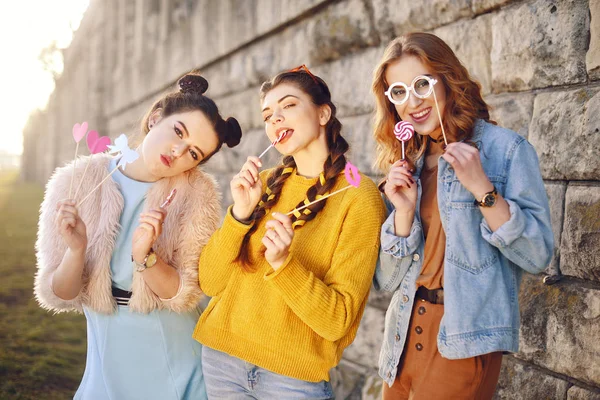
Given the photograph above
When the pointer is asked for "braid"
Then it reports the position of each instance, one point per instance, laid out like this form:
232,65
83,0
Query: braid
268,200
334,165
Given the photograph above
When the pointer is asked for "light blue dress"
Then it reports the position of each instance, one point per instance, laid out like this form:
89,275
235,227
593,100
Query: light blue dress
139,356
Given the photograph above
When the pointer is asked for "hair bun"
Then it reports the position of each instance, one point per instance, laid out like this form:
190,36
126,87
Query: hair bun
192,83
234,132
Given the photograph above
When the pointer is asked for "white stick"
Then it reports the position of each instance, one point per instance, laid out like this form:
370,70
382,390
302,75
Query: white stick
437,107
82,177
97,186
264,152
281,136
74,165
322,198
402,149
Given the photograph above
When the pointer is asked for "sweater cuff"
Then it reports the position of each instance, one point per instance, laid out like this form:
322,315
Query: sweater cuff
232,231
288,277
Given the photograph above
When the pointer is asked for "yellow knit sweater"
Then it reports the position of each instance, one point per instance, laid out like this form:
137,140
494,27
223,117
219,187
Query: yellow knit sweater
298,320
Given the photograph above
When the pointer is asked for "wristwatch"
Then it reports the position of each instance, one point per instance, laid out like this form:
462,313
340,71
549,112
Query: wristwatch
488,200
149,261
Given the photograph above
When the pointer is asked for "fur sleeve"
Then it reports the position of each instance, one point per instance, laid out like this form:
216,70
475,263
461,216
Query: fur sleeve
50,247
199,221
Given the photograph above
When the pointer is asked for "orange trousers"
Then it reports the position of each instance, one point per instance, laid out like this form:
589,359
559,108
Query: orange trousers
423,374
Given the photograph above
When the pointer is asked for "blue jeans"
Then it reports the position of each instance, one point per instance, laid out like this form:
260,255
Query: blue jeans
228,377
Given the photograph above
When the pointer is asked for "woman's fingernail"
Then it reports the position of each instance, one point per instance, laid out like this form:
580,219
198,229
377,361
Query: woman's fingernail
408,185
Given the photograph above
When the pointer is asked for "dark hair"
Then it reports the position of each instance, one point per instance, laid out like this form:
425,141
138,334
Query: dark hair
319,93
190,97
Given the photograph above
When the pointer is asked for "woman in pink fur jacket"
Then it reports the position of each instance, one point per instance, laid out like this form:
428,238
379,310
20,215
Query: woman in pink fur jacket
131,265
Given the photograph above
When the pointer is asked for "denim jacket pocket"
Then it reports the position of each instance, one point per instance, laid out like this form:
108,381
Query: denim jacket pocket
466,249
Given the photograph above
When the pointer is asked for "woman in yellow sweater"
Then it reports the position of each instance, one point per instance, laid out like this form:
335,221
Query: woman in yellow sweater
288,293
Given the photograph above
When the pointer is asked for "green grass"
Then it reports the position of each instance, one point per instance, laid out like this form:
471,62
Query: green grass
42,356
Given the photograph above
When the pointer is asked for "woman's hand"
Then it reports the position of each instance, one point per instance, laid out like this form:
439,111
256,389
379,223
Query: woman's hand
147,232
466,161
246,189
70,226
401,189
278,239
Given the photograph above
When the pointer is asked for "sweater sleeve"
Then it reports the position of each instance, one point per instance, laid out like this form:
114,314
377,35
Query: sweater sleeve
50,247
217,259
331,305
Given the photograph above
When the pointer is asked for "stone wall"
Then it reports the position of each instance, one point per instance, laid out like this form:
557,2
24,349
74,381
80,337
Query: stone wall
539,65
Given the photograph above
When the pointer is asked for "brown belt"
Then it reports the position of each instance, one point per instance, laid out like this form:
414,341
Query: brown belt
435,296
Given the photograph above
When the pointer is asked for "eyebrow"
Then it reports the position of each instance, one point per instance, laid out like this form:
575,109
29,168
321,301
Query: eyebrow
187,134
281,99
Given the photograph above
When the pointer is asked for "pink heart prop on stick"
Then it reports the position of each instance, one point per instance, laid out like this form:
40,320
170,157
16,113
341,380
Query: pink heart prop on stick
352,175
79,131
97,144
404,131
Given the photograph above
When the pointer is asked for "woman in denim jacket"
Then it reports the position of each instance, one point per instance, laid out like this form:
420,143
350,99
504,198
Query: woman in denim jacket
465,220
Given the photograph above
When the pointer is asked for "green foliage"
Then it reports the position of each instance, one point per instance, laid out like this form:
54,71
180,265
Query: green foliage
42,356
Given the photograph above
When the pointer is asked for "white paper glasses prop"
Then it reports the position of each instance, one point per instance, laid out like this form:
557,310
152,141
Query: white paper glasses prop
127,156
422,87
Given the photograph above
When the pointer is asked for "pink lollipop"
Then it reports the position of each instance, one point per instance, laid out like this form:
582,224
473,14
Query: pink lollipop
403,131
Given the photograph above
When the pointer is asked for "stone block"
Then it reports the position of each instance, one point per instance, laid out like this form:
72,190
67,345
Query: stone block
512,111
565,130
482,6
245,106
580,243
559,327
556,197
520,381
191,38
396,17
315,43
379,299
349,81
365,348
471,41
347,380
539,44
340,30
577,393
373,387
592,58
359,133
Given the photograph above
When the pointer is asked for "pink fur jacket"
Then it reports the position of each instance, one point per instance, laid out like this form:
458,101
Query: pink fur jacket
192,218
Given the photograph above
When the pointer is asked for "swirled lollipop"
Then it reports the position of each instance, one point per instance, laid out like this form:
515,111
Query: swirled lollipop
403,131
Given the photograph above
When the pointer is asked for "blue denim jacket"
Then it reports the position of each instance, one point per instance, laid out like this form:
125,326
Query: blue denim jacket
482,269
